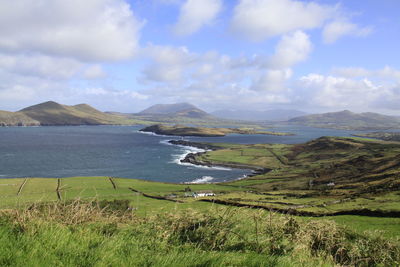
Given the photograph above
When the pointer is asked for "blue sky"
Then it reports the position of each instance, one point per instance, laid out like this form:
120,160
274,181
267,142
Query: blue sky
122,55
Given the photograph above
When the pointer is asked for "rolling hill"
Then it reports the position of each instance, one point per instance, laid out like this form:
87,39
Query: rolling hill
348,120
52,113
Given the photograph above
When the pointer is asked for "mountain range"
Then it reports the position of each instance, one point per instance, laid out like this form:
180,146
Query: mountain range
254,115
348,120
52,113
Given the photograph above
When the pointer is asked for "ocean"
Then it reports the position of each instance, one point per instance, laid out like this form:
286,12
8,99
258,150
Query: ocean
122,151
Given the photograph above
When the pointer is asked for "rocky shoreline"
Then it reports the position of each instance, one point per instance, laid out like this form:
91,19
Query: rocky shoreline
191,158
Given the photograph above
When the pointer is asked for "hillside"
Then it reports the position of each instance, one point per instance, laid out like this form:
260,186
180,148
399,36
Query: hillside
52,113
326,176
348,120
256,115
16,119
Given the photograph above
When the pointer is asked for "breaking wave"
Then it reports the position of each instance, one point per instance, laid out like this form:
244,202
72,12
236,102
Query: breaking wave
202,180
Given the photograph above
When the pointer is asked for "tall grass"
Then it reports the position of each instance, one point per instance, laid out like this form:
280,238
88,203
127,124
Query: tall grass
106,234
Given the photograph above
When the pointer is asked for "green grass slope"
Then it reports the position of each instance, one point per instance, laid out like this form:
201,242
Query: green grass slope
325,176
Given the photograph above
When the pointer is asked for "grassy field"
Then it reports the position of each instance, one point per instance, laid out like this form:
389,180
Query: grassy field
323,176
107,234
40,190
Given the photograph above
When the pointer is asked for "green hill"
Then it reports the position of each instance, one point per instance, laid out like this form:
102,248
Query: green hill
52,113
348,120
16,119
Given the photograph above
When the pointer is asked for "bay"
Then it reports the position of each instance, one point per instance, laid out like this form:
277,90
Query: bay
121,151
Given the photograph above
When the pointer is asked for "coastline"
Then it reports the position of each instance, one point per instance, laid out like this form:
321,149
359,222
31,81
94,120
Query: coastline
192,149
190,159
181,131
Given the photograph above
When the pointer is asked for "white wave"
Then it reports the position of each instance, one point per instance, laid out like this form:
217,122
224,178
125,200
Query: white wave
202,180
166,142
244,176
150,133
186,150
218,168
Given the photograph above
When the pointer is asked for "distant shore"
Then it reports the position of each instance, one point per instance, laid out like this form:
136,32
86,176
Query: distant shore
180,130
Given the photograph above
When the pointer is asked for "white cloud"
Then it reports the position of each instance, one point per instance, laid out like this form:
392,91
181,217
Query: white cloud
341,93
291,49
351,72
104,92
210,78
19,90
40,65
339,28
94,72
168,63
386,72
272,80
90,30
195,14
262,19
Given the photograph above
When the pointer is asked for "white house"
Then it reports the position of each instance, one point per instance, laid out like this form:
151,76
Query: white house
203,194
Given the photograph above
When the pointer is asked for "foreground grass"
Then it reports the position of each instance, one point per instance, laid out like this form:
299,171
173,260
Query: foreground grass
43,190
105,234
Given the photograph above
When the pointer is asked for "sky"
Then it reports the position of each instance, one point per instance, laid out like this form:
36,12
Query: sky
125,55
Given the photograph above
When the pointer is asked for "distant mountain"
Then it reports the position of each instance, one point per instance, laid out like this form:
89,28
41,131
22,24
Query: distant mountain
167,108
52,113
265,115
349,120
185,110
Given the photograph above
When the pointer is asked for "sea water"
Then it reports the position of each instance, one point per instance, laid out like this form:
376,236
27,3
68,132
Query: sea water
122,151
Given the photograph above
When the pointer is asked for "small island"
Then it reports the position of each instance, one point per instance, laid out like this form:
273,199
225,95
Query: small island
181,130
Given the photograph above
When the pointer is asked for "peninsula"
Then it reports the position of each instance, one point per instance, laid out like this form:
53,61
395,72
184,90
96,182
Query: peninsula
181,130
